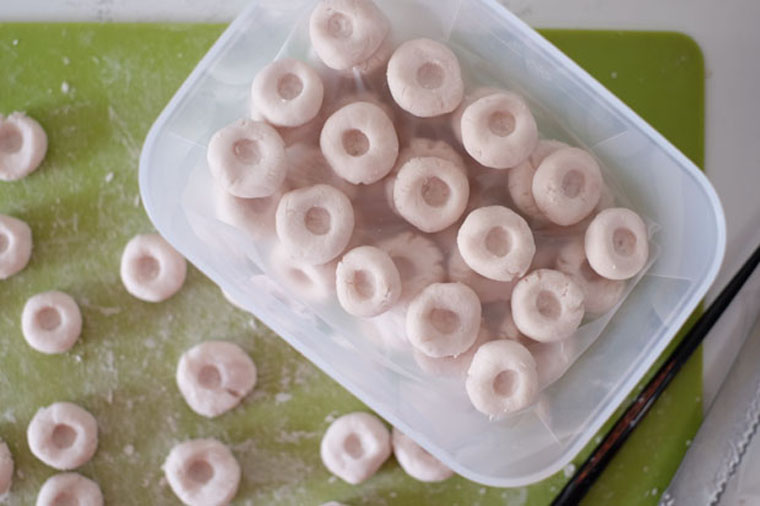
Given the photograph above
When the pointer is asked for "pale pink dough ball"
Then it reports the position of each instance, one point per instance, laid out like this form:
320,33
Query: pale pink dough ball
520,180
456,117
287,93
355,446
547,305
617,244
416,461
15,245
567,185
488,290
496,243
444,319
418,260
346,33
499,130
600,293
502,378
452,366
315,223
360,142
424,78
247,158
23,145
367,281
254,216
430,193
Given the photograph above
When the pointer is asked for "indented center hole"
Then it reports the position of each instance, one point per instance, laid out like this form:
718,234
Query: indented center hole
317,220
588,273
209,377
363,284
3,242
624,242
505,383
444,321
339,26
200,471
572,183
63,436
355,142
404,266
247,151
501,123
48,318
10,138
435,192
430,76
548,305
289,86
147,268
353,446
497,241
65,499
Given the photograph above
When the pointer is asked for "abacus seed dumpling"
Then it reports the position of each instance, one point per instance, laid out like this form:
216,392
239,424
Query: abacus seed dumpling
360,142
287,93
247,158
15,245
23,145
444,319
345,33
496,242
600,293
520,180
254,216
547,305
367,281
499,130
617,244
502,378
567,185
355,446
430,193
315,223
416,461
424,78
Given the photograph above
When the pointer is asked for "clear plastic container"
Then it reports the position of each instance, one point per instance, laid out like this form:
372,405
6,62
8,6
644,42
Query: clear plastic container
569,105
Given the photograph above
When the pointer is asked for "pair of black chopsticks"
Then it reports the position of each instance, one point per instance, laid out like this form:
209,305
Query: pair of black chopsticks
587,473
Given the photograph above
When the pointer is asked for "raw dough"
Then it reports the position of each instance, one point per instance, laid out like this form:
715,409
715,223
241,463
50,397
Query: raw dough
202,472
547,305
567,185
499,130
355,446
424,78
418,260
6,469
346,33
617,245
69,489
215,376
430,193
444,319
502,378
497,243
247,158
254,216
416,461
452,366
287,93
51,322
360,142
23,144
315,223
63,435
151,269
520,180
15,245
367,281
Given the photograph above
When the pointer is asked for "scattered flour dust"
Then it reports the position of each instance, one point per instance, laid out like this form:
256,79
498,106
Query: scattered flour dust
65,60
65,87
109,177
129,450
569,470
282,397
15,42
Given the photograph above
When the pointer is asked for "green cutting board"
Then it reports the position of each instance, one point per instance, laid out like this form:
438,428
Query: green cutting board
96,89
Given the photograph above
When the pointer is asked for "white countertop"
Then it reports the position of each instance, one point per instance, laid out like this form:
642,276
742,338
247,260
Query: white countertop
726,31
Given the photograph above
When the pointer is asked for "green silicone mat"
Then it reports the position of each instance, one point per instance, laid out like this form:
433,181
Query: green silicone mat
96,89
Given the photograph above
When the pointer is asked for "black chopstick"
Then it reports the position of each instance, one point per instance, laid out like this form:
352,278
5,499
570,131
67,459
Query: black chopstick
587,473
